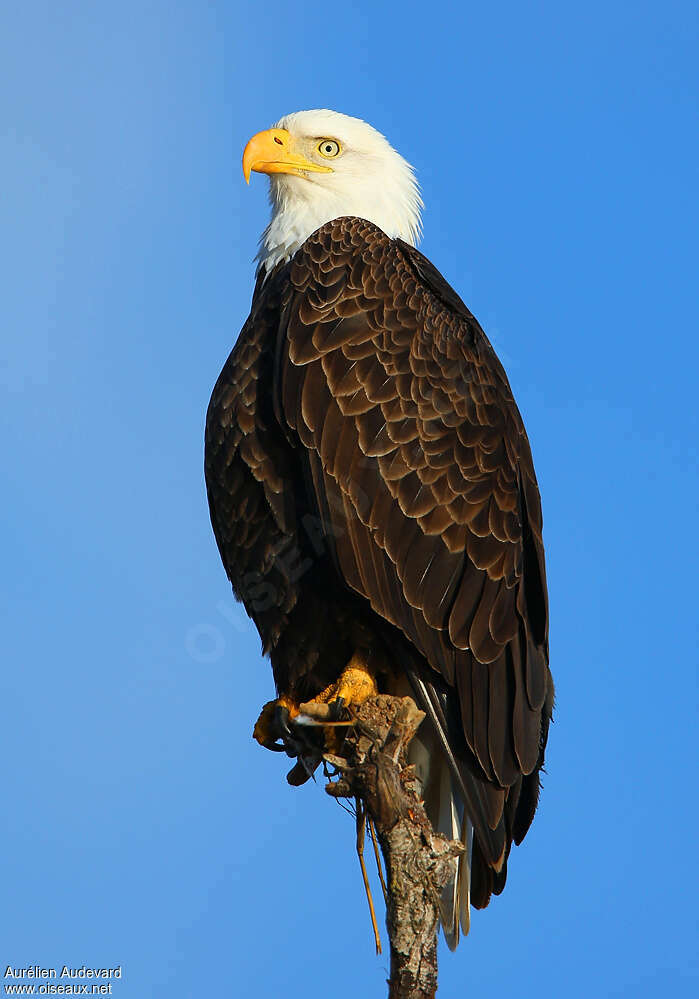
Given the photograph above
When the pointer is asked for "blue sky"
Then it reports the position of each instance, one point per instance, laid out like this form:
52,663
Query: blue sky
141,825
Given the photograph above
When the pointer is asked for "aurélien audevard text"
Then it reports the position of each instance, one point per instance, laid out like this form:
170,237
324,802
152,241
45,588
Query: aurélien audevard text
73,980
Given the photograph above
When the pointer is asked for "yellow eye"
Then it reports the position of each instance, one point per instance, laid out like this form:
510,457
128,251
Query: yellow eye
328,148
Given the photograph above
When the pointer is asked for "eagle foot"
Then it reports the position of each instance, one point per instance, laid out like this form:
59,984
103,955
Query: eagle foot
332,708
355,685
275,729
306,731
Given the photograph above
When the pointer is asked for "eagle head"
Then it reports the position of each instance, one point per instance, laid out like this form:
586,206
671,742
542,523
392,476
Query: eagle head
323,165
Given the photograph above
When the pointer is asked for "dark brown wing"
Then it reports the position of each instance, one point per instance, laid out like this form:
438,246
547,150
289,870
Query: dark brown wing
248,478
422,471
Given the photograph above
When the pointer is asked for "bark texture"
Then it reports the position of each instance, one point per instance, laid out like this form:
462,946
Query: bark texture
418,861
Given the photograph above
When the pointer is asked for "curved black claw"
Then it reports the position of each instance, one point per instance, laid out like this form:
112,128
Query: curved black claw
303,769
271,740
281,721
282,725
297,741
337,708
278,734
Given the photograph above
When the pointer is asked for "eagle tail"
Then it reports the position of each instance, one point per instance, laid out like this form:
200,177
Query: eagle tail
445,809
452,822
465,875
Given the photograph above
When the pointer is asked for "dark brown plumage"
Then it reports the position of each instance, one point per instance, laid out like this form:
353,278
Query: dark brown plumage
371,486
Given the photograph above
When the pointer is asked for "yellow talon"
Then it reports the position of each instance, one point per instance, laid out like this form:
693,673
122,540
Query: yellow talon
355,684
264,728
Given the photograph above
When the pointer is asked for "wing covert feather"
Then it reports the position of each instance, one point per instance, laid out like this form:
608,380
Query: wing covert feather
412,429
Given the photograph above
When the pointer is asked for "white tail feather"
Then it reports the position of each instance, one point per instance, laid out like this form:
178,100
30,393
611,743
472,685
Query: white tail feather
445,809
465,876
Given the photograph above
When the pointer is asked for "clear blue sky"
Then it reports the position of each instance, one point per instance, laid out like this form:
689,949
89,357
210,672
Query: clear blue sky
141,825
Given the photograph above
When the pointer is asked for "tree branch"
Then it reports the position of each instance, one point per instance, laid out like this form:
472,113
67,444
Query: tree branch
418,861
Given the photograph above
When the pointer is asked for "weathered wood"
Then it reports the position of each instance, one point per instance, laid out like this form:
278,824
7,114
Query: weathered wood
418,861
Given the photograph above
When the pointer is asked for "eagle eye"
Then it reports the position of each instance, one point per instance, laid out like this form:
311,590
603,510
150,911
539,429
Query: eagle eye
329,148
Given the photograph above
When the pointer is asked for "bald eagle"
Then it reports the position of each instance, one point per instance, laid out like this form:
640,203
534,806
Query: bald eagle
373,495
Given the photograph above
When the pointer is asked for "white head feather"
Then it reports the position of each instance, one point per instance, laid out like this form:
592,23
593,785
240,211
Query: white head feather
369,179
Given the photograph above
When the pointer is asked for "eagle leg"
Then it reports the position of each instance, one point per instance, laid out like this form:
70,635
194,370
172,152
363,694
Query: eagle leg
355,685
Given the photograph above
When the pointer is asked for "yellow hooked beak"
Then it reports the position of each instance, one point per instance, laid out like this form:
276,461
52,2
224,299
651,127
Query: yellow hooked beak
270,152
